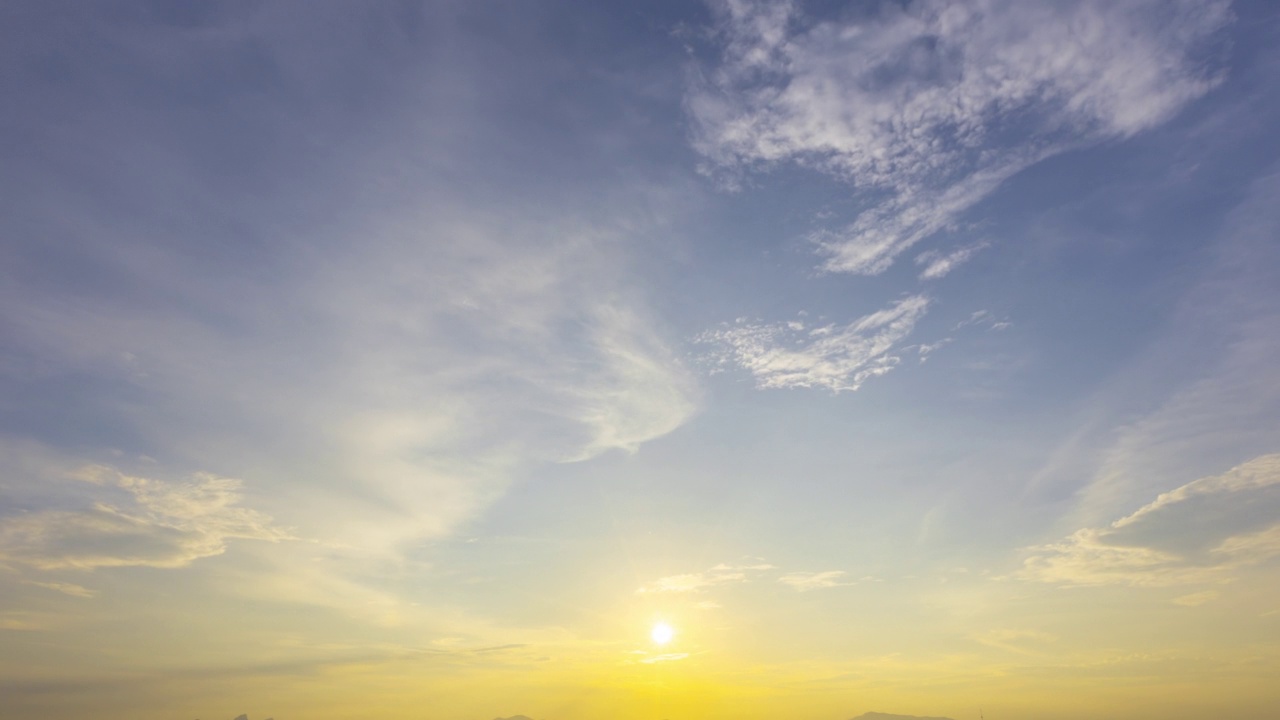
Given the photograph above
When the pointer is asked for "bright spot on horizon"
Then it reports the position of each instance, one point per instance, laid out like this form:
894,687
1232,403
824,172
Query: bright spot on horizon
661,634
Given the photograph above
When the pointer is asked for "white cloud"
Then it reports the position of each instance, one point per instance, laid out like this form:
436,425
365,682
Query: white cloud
165,525
838,358
931,107
1204,531
805,581
938,264
697,582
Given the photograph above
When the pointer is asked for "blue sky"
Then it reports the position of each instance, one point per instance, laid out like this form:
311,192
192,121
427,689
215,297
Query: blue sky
906,356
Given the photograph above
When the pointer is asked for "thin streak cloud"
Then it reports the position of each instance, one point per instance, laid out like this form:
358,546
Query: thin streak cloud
1203,532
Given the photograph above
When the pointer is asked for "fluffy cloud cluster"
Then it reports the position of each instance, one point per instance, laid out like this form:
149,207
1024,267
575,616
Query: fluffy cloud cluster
162,524
930,106
835,357
1203,531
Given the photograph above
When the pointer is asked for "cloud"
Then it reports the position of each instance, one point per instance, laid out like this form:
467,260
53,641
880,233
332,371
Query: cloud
938,264
690,582
724,574
65,588
805,581
1203,531
924,350
1196,599
165,525
1021,642
639,392
697,582
927,109
29,621
836,357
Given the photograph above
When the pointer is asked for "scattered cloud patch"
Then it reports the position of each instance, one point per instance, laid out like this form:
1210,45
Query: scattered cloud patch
156,524
1203,531
924,350
835,357
805,581
983,318
928,107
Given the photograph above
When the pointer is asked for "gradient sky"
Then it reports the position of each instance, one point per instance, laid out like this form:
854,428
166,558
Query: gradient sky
410,361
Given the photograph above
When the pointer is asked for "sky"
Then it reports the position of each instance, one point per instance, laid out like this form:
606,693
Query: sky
439,360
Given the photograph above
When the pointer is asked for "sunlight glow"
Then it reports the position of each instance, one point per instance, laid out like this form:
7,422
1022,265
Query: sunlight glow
661,634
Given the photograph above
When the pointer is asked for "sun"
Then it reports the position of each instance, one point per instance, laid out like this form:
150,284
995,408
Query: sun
661,634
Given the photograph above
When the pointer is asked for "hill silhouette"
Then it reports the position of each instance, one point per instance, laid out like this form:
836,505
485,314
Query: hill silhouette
888,716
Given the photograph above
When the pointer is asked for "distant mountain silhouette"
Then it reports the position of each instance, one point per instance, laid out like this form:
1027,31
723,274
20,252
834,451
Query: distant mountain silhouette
887,716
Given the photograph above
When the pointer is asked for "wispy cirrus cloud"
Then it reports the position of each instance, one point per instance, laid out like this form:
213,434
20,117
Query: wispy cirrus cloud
805,581
1219,403
836,357
1018,641
930,107
721,574
65,588
1203,531
937,264
1196,599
